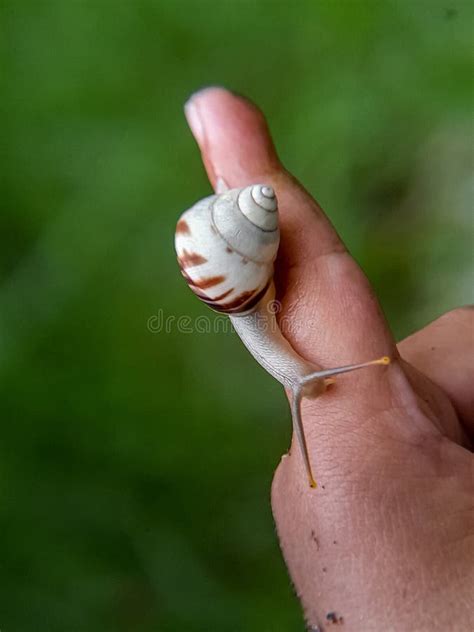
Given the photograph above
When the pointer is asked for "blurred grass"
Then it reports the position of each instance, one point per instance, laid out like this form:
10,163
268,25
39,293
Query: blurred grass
134,477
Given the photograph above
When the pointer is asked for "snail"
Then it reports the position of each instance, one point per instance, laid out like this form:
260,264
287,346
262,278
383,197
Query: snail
226,245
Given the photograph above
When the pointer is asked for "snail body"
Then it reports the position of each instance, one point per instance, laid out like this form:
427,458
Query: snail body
226,245
273,352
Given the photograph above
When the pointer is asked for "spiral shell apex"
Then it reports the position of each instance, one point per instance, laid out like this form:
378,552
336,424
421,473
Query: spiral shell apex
226,245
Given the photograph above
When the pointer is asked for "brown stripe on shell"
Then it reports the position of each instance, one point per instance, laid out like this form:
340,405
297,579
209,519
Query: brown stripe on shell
207,299
203,283
241,303
206,282
190,259
183,227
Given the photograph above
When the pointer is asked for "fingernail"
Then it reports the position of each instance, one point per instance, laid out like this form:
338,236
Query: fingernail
194,115
194,120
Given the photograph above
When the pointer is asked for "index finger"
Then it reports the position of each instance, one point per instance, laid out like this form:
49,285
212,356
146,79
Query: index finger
331,312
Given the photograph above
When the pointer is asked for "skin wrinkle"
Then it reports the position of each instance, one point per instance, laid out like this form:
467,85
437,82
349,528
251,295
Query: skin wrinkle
443,352
362,527
322,436
290,311
403,397
324,337
339,415
392,532
441,410
293,196
350,561
293,304
298,297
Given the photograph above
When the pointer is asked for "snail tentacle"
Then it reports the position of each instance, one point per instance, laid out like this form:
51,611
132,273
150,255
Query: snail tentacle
298,428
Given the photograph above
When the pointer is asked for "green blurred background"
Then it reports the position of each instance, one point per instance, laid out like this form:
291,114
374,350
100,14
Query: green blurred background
135,466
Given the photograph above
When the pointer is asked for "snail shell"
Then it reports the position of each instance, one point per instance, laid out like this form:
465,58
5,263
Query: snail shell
226,245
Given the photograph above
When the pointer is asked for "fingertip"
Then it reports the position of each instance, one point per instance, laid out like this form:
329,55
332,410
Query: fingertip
232,135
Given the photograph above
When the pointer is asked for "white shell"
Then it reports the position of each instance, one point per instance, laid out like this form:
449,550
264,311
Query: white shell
226,245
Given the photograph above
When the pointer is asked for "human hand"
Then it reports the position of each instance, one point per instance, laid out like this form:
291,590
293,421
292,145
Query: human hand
385,542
